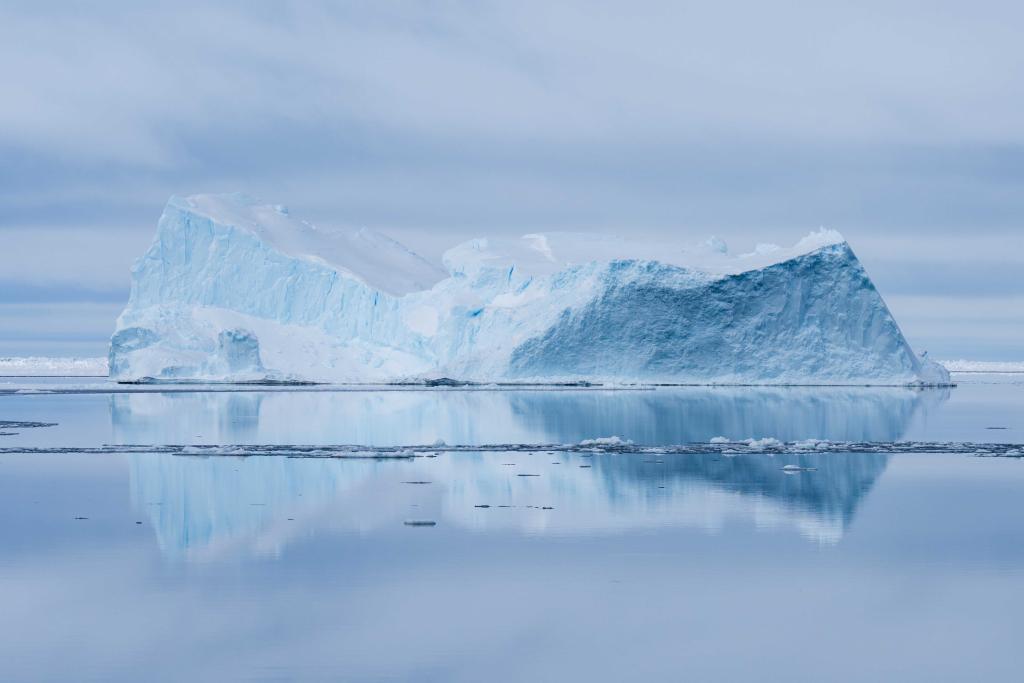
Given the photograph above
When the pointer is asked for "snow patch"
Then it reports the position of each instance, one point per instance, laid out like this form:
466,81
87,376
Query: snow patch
376,259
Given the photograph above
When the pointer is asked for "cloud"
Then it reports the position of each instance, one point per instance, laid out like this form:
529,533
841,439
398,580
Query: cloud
127,84
449,120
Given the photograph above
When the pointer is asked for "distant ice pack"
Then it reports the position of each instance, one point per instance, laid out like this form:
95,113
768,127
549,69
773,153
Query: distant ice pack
234,290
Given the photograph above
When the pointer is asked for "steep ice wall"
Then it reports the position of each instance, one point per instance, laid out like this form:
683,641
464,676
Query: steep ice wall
238,291
228,264
816,317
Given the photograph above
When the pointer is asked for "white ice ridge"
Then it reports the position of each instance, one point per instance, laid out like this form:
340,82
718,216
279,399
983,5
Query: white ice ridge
234,290
43,366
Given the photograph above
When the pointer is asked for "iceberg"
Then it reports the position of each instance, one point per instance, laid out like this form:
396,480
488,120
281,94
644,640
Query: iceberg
238,291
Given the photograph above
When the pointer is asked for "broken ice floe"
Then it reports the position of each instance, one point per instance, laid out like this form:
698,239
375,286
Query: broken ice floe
605,441
611,445
16,424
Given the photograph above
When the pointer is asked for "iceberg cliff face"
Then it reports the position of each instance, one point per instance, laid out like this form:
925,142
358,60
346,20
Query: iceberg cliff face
238,291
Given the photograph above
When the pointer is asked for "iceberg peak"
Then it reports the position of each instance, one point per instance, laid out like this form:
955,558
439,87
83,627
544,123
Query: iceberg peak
372,257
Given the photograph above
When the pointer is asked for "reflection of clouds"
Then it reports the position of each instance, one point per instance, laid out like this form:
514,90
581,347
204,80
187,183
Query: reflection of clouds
664,416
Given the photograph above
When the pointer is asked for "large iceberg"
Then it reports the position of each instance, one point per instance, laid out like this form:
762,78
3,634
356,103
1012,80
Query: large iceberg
234,290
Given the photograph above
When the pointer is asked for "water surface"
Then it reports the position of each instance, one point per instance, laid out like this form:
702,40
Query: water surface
594,565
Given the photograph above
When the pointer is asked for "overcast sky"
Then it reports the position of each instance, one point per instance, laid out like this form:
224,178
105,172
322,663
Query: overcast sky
898,124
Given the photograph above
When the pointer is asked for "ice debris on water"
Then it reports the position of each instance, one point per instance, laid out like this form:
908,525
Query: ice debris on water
585,449
767,443
213,450
606,441
812,444
21,424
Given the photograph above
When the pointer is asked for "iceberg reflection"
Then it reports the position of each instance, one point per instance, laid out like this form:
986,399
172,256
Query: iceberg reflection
385,418
200,506
206,506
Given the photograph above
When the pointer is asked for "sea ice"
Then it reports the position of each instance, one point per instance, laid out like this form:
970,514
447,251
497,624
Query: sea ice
606,441
42,366
983,366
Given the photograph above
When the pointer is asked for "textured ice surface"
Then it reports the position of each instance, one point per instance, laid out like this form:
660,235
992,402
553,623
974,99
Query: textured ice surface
234,290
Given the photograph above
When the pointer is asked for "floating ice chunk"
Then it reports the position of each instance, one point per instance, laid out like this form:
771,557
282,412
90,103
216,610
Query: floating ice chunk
762,444
719,439
812,444
606,441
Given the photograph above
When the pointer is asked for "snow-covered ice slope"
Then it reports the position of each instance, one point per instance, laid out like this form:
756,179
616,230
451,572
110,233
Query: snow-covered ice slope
234,290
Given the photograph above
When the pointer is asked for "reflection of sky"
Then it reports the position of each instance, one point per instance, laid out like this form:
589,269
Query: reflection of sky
303,569
914,582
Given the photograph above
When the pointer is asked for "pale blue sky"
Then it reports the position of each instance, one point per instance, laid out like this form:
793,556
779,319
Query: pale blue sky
899,126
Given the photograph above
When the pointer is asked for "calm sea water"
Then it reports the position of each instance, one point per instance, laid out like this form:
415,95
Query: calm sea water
511,565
